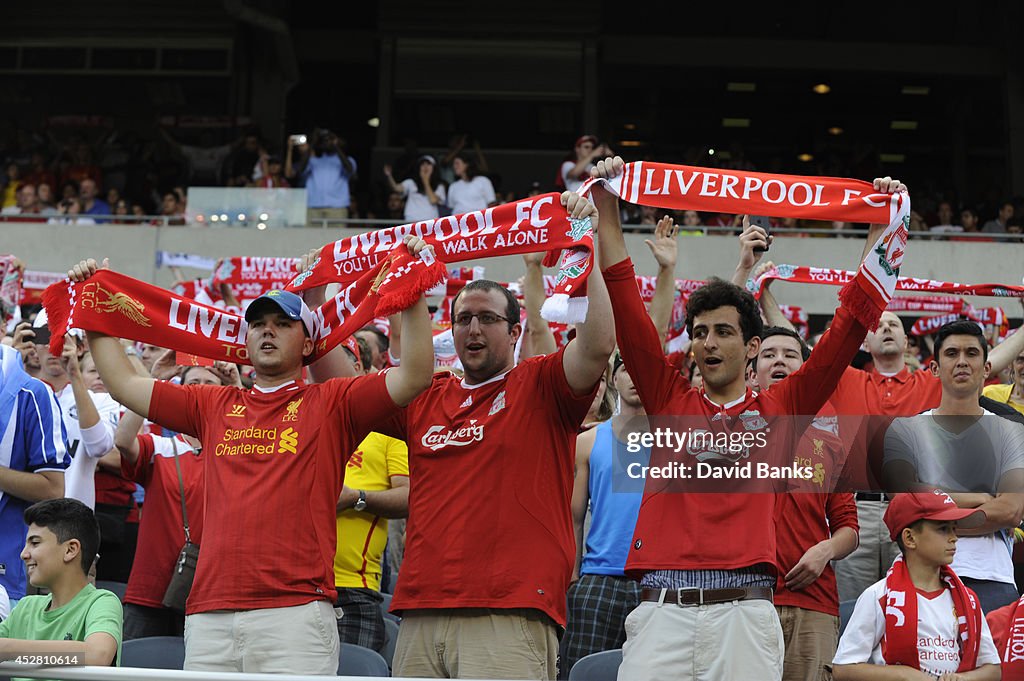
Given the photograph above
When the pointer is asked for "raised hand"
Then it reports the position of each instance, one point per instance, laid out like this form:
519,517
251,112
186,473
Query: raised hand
165,367
86,268
578,207
609,168
69,356
664,247
753,237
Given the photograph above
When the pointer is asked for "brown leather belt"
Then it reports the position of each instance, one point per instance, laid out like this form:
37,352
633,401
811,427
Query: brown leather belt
695,596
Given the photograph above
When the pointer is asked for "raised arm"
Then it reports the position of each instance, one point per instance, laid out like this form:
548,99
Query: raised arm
805,391
125,386
586,357
641,347
770,309
665,251
1003,354
416,371
542,340
126,437
754,237
392,185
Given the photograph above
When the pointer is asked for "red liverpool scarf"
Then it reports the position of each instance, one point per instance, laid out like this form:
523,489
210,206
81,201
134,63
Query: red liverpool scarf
120,306
823,198
899,603
1007,625
986,316
802,274
251,277
539,223
944,304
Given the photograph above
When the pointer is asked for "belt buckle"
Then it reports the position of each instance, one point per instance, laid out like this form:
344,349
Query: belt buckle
695,589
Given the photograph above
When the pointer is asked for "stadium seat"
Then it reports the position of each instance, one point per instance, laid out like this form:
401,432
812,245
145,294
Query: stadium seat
603,666
391,638
358,661
845,611
154,652
117,587
384,605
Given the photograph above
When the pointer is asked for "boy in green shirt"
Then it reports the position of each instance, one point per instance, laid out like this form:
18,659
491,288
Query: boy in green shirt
76,618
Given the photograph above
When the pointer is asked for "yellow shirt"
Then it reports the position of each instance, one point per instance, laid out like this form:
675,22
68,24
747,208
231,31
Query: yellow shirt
361,535
9,194
1001,393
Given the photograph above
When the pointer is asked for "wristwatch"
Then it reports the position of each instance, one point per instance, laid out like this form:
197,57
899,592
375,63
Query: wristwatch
360,505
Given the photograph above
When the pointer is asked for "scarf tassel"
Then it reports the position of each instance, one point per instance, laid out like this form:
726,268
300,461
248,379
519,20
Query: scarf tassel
859,304
398,298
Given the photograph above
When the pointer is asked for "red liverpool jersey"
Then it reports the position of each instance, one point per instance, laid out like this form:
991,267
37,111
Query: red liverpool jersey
490,479
274,467
680,528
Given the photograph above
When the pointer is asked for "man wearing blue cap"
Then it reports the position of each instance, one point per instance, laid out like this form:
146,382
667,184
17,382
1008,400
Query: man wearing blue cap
274,458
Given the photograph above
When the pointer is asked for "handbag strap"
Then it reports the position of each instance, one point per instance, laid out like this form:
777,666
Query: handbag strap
181,488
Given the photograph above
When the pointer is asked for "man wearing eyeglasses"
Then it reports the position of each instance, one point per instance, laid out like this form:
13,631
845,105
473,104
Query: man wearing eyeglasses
489,541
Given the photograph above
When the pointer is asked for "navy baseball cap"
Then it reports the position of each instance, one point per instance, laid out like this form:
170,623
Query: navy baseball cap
290,304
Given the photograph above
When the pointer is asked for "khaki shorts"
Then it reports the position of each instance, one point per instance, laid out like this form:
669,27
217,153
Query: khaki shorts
476,643
737,640
811,638
301,639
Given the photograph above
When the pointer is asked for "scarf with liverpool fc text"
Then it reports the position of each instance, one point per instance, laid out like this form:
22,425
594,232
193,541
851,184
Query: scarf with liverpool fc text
118,305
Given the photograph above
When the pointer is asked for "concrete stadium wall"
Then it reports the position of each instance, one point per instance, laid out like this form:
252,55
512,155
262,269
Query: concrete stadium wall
131,250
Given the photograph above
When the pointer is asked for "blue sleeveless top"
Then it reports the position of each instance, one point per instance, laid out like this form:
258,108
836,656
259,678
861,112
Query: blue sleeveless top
615,497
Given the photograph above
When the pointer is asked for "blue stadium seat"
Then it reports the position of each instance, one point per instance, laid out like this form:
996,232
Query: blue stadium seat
117,587
154,652
845,611
384,605
391,638
358,661
603,666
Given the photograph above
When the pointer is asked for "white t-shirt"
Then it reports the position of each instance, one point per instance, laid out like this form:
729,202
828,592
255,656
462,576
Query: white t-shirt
476,194
572,183
417,205
937,633
971,461
79,478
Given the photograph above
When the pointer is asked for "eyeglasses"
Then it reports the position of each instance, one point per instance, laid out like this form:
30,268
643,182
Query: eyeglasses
485,318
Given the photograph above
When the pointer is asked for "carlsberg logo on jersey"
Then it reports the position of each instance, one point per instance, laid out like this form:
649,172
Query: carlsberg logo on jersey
439,437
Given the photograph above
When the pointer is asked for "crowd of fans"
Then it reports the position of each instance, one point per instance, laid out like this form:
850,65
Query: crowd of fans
483,567
125,178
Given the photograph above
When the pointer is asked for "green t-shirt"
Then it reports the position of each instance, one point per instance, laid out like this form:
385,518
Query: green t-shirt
92,610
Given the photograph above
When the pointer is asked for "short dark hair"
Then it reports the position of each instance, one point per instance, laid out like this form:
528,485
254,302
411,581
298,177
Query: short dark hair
68,519
770,331
916,527
382,339
961,327
719,293
486,285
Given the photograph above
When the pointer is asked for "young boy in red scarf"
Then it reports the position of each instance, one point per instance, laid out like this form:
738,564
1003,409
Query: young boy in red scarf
920,622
